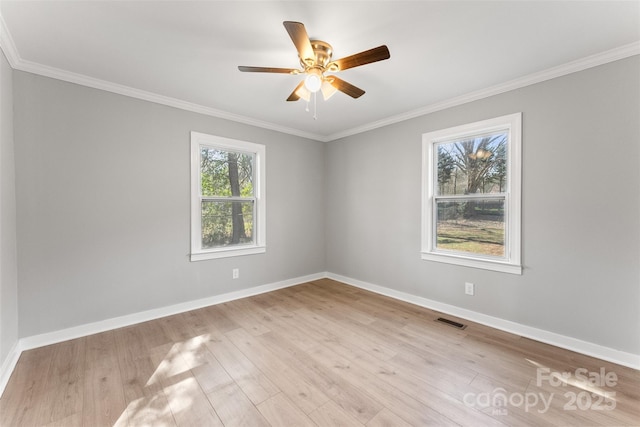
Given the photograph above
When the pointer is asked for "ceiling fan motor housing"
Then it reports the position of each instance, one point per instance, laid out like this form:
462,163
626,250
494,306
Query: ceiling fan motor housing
323,52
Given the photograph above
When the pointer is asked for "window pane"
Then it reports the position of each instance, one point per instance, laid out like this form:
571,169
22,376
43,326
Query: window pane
474,165
227,223
226,173
473,226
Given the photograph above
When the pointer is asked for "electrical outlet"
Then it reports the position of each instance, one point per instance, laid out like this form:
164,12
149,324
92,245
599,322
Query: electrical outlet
235,273
469,288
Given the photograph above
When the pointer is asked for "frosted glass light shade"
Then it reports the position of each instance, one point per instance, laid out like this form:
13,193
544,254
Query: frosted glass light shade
327,90
303,93
313,81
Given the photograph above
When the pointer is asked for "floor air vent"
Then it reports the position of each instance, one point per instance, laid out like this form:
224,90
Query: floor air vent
451,323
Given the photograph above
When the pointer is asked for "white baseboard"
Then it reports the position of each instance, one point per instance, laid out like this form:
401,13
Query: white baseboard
8,366
54,337
144,316
584,347
590,349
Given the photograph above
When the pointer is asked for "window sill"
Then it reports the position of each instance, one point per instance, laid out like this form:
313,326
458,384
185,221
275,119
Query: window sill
485,264
226,253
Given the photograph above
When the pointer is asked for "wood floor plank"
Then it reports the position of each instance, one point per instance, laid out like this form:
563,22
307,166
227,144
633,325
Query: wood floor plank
333,330
102,345
73,420
176,328
151,334
348,396
23,396
286,321
136,367
446,407
306,396
341,300
103,401
197,322
210,374
240,312
150,410
249,378
46,385
279,411
188,403
129,342
66,379
386,418
234,408
332,415
285,298
215,317
194,351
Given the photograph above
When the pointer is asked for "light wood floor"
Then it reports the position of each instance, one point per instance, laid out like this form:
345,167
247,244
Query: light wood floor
321,353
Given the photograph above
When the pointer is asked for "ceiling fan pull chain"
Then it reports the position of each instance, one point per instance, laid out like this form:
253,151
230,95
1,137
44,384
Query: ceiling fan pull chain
315,106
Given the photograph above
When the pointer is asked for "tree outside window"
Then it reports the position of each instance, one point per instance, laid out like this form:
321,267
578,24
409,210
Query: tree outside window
471,194
227,197
468,168
227,191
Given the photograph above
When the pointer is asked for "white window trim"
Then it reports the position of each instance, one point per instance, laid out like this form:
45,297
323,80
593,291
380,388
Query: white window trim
512,261
259,246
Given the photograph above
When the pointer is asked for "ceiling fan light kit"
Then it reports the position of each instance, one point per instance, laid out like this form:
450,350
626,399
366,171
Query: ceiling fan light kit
313,81
315,60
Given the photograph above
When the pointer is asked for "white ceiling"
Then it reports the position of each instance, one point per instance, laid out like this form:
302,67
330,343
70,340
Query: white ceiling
186,53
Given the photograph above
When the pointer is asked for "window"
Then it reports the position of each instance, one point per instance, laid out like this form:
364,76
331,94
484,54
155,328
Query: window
471,194
227,197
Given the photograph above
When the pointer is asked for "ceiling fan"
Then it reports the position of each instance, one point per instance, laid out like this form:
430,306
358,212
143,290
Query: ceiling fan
315,60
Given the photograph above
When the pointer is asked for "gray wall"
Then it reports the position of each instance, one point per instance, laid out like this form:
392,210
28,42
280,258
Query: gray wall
581,209
8,266
103,206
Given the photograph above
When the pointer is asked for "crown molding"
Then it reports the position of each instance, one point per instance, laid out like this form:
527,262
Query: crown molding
602,58
80,79
8,47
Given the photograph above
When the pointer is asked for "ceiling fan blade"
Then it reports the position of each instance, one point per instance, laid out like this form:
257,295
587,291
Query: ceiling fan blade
376,54
299,36
348,88
294,96
246,69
